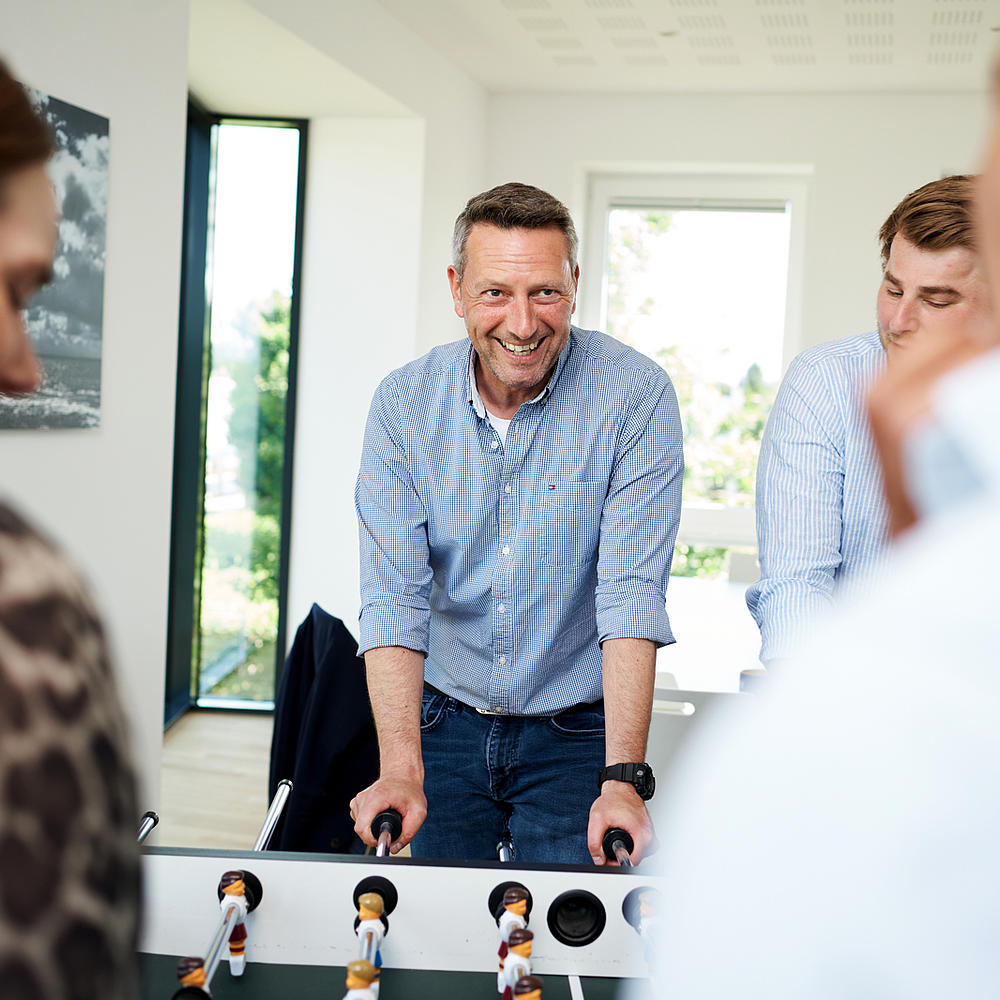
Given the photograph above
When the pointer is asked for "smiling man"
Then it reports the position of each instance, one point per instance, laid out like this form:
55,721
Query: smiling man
518,500
821,513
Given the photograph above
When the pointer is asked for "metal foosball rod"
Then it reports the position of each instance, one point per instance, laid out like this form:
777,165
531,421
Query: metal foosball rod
505,849
375,897
618,845
147,821
274,812
239,894
386,828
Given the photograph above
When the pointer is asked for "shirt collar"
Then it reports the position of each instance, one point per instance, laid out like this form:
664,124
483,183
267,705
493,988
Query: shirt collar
477,401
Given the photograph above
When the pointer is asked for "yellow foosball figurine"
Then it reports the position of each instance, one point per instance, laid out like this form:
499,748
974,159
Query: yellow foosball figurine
515,915
370,931
518,960
528,988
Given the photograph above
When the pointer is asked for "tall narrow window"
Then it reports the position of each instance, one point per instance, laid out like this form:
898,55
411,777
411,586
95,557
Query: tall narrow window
244,405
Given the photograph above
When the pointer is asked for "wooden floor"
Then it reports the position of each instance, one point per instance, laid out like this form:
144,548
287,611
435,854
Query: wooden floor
214,780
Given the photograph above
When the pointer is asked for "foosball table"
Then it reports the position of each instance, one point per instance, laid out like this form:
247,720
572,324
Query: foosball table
302,922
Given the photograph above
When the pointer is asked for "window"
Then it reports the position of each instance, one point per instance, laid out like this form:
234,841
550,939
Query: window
699,274
235,411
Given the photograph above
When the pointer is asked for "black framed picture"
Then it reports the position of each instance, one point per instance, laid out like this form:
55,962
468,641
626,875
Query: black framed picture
65,319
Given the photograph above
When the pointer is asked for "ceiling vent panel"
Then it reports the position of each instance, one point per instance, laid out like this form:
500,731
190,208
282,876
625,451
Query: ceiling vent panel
710,41
957,18
701,22
869,19
794,58
783,22
789,41
869,58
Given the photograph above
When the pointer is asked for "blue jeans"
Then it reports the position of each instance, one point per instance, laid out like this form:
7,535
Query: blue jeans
486,775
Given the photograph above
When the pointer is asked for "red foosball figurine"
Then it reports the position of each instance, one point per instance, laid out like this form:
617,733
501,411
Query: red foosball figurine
528,988
191,972
232,886
515,915
518,960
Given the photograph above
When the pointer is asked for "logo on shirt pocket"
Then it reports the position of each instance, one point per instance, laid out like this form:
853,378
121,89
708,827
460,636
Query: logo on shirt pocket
569,522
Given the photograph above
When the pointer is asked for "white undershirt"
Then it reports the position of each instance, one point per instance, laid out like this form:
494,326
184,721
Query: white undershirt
500,425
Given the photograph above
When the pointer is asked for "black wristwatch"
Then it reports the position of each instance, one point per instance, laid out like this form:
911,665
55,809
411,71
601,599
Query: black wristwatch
639,776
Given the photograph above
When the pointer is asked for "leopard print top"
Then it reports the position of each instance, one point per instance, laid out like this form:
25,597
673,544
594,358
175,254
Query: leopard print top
69,863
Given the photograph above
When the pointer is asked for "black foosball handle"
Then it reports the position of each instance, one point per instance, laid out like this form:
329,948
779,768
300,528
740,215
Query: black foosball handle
386,828
618,845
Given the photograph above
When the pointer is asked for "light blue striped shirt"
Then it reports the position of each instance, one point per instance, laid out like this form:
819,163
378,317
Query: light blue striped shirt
821,514
507,563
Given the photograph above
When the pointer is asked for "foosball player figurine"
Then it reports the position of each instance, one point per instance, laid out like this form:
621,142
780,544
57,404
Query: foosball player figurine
191,972
515,914
232,885
528,988
518,960
370,907
360,974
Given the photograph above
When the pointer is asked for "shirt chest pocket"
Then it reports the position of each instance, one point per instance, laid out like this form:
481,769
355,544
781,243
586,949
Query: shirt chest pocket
569,523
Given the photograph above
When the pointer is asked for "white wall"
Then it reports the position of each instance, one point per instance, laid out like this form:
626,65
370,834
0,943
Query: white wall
367,40
381,200
106,493
359,284
866,151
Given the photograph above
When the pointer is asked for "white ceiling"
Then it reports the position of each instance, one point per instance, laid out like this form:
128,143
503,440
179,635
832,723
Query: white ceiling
242,62
712,46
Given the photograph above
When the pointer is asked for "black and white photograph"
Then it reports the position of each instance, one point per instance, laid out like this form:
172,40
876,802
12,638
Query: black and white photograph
65,319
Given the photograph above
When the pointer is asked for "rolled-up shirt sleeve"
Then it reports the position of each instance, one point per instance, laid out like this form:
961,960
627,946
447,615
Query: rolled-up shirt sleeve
640,518
392,532
800,496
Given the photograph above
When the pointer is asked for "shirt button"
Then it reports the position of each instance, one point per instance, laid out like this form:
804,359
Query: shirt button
506,489
502,608
494,444
506,550
501,660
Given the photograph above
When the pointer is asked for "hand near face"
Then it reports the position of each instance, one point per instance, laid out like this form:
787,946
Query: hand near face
901,401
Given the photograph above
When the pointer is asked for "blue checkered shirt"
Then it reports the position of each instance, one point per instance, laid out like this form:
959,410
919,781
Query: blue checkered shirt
821,513
508,563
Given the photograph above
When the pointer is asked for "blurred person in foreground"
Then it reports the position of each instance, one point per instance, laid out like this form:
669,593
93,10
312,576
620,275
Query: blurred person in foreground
837,836
69,868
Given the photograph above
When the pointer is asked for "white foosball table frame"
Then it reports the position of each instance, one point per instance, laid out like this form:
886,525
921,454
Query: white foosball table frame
441,921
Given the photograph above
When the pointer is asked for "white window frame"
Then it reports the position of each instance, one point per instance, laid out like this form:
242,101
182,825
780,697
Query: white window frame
700,186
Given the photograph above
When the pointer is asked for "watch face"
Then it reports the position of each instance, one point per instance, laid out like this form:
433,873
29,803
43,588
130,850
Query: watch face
645,783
